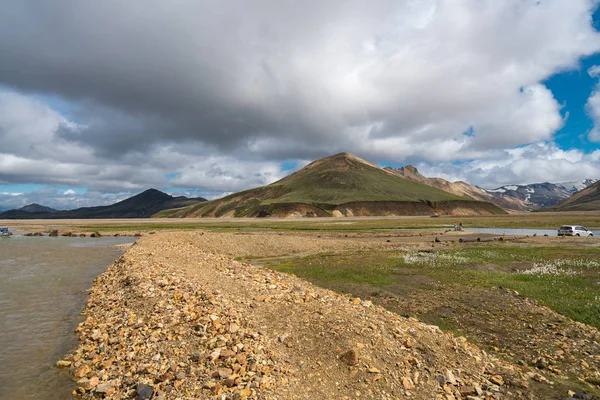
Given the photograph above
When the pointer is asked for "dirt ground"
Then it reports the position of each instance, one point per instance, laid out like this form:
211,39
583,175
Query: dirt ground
178,314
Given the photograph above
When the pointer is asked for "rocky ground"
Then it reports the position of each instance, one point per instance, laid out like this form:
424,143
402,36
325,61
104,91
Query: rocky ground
176,317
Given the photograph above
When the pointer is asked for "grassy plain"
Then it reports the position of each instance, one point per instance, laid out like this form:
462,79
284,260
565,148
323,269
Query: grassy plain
545,220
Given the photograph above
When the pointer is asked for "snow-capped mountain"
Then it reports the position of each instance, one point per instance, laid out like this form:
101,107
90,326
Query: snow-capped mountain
576,186
539,195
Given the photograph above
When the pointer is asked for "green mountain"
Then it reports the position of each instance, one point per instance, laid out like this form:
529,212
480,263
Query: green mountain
339,185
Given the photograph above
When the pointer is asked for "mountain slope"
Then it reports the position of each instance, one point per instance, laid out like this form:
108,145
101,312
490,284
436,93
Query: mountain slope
142,205
587,199
459,188
36,208
342,184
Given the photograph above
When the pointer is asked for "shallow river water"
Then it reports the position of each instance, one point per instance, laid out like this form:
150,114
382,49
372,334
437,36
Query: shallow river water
42,292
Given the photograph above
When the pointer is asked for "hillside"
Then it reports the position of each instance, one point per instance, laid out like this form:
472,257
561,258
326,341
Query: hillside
339,185
142,205
510,197
587,199
36,208
460,188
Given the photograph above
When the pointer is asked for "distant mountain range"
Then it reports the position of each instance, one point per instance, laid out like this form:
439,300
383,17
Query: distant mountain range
460,188
541,195
587,199
511,197
142,205
344,185
339,185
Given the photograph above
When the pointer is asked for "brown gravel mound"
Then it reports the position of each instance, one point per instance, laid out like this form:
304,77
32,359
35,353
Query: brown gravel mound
174,318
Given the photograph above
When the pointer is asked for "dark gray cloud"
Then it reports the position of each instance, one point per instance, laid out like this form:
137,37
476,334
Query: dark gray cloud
196,87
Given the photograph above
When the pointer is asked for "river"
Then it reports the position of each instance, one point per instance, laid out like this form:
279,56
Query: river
43,284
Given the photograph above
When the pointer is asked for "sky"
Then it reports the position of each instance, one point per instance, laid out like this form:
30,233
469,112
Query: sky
100,100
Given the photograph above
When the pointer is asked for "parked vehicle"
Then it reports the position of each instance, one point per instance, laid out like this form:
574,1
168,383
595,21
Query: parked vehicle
574,230
4,231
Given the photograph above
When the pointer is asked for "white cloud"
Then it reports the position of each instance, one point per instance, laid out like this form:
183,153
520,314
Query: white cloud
221,93
538,162
594,71
593,109
69,192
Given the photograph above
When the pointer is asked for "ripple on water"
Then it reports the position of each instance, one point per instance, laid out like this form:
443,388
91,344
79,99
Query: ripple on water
42,292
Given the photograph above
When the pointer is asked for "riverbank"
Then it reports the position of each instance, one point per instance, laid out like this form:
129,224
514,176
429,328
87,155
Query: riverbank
177,317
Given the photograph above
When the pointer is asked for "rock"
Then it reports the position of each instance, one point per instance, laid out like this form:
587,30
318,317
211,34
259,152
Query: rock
53,233
450,377
467,390
227,354
241,359
63,364
96,234
350,357
94,381
373,370
104,388
144,392
541,363
82,371
407,383
497,379
230,380
283,338
225,372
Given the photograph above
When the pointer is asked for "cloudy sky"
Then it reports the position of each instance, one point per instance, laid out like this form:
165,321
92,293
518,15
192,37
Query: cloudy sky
103,99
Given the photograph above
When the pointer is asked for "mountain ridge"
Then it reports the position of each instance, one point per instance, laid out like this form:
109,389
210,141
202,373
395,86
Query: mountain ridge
587,199
142,205
458,188
339,185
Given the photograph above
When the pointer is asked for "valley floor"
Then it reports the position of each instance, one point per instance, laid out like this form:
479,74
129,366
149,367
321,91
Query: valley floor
215,314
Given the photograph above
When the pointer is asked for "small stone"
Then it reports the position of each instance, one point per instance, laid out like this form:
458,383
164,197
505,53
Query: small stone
82,371
407,383
104,388
94,381
283,338
373,370
350,357
63,364
227,354
84,383
450,377
233,328
241,359
230,380
225,372
497,379
144,391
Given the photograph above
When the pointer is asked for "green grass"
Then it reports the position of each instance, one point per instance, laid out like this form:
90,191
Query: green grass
577,297
342,268
533,220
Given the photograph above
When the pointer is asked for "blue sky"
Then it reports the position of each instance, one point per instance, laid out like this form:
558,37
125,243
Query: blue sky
97,104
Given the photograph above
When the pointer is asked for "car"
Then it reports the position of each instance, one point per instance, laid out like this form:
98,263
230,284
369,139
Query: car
574,230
